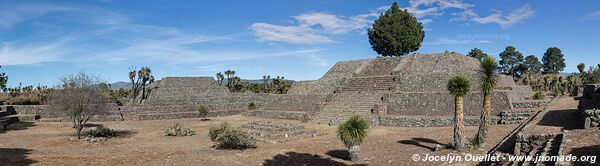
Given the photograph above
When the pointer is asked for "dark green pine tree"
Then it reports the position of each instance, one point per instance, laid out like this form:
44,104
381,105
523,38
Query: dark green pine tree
553,60
533,64
510,61
396,33
477,53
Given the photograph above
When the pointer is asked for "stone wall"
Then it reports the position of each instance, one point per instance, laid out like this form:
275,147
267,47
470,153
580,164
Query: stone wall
442,104
523,92
436,83
173,82
591,91
525,143
294,115
111,113
591,118
529,104
438,63
332,80
423,121
239,101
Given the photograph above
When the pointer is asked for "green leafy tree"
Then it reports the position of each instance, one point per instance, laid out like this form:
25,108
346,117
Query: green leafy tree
488,83
533,64
352,133
459,86
396,33
581,68
554,61
477,54
510,61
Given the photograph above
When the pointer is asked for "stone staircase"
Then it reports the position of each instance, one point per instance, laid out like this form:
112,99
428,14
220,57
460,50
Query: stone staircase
357,97
345,105
374,83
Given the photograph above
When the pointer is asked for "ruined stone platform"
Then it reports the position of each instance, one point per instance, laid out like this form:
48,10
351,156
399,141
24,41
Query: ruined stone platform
275,132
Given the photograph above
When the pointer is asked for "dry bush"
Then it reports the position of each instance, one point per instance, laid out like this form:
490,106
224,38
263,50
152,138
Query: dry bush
178,130
79,99
226,136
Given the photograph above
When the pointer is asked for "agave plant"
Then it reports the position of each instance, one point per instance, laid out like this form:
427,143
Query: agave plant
488,81
459,86
352,133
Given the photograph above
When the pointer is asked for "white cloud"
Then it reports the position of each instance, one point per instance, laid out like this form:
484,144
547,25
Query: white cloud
425,9
450,41
12,15
314,28
595,15
289,34
514,17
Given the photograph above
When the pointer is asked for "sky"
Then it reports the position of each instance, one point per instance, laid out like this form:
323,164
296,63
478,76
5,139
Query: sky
41,41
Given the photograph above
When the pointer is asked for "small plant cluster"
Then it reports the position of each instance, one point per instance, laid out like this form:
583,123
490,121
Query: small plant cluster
202,111
226,136
251,106
27,95
118,94
178,130
538,96
102,132
234,83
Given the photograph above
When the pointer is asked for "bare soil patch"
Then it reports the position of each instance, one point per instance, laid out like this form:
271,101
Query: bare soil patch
50,143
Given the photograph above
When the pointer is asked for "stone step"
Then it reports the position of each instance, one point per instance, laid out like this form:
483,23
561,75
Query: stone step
5,121
182,115
50,120
295,115
5,113
26,117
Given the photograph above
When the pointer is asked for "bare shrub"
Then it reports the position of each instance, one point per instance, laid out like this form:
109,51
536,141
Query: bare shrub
79,99
102,132
226,136
202,111
178,130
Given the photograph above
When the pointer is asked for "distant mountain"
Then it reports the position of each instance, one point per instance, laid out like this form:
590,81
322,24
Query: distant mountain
120,84
565,74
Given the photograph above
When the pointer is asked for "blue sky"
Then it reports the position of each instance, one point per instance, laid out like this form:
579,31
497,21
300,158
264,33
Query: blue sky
301,40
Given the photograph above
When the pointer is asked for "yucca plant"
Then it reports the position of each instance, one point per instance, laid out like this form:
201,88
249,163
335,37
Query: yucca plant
488,83
459,86
352,133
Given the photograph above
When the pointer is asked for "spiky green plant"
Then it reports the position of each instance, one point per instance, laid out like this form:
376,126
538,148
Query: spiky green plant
488,83
459,86
352,133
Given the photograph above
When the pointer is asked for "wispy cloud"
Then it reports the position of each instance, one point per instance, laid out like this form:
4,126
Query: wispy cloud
507,21
113,38
450,41
12,15
314,27
426,10
595,15
289,34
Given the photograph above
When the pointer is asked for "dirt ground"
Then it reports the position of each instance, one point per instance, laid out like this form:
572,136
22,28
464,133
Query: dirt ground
52,143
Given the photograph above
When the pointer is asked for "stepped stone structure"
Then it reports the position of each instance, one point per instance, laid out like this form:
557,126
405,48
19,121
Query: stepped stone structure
380,89
401,91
